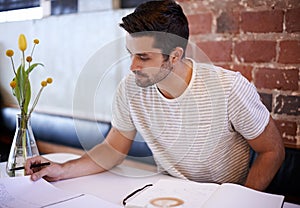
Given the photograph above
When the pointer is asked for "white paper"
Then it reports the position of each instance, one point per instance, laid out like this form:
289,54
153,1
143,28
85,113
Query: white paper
87,201
232,195
23,192
193,194
206,195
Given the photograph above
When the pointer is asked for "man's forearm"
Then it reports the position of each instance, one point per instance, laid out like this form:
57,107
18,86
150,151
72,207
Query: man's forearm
80,167
264,169
101,158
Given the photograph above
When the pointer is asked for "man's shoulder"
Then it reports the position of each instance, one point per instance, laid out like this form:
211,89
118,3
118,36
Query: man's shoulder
211,68
213,73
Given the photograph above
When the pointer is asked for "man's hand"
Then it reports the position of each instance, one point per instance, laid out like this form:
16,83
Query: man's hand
52,172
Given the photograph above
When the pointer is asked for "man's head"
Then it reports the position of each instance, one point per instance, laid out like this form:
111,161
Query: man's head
164,17
147,63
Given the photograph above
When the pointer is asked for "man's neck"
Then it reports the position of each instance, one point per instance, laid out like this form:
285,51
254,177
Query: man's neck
178,80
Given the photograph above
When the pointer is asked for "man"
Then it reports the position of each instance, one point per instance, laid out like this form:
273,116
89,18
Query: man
199,120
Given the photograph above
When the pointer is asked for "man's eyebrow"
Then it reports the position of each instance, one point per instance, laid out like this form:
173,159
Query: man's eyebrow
128,50
138,54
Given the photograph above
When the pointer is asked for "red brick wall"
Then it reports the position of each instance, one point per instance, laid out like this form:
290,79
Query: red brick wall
260,39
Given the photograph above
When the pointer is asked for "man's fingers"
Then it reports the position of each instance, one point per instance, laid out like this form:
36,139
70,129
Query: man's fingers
38,175
29,162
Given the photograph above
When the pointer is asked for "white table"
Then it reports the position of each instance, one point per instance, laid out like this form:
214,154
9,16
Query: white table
114,185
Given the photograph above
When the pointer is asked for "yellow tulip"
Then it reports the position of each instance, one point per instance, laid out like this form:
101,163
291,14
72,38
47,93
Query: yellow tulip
22,42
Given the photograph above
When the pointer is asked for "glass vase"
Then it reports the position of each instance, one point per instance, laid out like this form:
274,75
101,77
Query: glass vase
23,147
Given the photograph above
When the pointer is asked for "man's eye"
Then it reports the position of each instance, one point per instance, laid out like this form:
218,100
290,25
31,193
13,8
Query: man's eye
144,58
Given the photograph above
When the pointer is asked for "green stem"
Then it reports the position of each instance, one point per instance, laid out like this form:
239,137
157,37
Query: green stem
13,65
32,50
22,91
35,101
24,120
23,60
20,100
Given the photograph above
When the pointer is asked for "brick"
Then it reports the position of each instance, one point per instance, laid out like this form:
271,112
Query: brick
286,128
245,70
269,78
266,100
255,51
259,4
262,21
200,23
291,141
287,104
217,51
228,22
292,20
293,3
288,131
289,52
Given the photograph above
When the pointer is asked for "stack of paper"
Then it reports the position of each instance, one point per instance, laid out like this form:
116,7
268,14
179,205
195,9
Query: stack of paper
22,192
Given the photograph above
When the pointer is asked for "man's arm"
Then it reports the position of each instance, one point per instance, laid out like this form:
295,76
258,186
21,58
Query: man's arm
270,149
100,158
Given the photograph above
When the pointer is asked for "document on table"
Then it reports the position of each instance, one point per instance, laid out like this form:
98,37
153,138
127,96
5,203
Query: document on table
204,195
22,192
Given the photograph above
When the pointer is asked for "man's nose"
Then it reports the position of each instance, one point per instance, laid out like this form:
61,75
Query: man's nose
135,63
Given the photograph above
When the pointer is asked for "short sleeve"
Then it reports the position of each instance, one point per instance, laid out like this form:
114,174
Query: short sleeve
121,118
247,114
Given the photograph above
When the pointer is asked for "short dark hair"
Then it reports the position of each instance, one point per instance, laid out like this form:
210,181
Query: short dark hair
164,20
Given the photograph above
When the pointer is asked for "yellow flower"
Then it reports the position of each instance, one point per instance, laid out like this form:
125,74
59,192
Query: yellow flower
29,59
49,80
22,42
44,83
20,84
9,53
13,84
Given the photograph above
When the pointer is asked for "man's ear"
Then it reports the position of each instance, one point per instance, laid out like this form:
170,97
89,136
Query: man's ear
176,55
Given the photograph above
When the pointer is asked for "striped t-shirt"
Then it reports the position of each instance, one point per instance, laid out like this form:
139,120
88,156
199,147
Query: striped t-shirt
200,135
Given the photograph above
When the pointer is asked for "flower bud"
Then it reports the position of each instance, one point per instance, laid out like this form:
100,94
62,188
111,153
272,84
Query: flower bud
44,83
22,42
13,84
9,53
49,80
36,41
29,59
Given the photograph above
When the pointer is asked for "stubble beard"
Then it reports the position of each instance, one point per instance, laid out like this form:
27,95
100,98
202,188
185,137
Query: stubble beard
145,80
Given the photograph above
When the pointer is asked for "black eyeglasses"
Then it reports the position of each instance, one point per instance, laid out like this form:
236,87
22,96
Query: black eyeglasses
133,193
